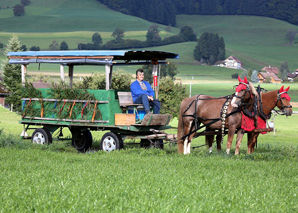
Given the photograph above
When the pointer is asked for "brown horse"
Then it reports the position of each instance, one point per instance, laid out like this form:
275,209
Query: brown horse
270,100
214,113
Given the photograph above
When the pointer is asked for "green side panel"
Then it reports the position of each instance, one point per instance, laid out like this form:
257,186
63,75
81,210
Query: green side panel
74,111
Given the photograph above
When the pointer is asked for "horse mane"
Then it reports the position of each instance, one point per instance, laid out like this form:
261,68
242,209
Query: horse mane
253,89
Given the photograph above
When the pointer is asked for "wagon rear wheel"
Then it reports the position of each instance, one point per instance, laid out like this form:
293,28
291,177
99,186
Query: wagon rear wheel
110,142
42,136
81,140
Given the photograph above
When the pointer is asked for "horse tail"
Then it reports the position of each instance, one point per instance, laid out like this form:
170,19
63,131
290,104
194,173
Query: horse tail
180,131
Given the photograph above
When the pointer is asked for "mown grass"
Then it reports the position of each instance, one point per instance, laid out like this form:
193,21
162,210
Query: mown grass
56,178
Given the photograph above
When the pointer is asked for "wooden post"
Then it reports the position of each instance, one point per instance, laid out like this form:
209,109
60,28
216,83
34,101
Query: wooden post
108,76
70,74
62,72
24,70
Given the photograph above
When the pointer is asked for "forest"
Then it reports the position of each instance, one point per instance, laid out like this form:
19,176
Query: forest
165,11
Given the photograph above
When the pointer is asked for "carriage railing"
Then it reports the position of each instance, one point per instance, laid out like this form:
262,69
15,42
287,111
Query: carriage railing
81,111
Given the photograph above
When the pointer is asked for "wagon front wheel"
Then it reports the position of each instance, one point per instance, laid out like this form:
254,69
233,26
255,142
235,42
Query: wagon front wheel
42,136
110,142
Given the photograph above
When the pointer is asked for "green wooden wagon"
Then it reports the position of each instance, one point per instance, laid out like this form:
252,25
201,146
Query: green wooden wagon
111,110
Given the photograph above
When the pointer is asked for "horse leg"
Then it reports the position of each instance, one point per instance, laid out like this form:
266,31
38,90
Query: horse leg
240,135
255,138
231,134
218,142
249,142
185,146
208,141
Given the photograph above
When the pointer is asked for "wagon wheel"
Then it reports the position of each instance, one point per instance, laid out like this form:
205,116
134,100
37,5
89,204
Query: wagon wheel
110,142
42,136
81,140
157,143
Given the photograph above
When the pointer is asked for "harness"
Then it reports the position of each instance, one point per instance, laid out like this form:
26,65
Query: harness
197,118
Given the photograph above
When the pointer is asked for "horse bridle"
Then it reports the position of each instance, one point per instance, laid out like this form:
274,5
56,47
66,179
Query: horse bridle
279,98
246,90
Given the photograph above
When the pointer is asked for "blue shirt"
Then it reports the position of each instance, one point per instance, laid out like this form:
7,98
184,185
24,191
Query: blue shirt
136,90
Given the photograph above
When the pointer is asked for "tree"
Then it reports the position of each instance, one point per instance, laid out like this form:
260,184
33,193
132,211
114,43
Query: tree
284,70
34,48
18,10
187,34
118,34
23,48
254,77
96,39
290,35
1,45
152,36
25,2
63,46
12,74
171,96
54,45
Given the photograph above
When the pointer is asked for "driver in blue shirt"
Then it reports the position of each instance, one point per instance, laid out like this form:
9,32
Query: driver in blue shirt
142,93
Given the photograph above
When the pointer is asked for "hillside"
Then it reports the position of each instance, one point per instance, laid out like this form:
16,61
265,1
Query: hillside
256,41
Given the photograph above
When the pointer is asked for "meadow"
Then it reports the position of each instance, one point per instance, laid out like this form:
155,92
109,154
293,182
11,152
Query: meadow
56,178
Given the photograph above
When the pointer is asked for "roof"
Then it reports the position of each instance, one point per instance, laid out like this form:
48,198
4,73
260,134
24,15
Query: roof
271,69
93,57
292,75
235,58
269,75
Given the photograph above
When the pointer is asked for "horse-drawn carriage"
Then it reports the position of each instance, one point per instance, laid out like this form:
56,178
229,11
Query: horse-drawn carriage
199,115
111,110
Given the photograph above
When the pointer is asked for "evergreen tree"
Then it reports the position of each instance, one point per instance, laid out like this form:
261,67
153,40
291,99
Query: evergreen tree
284,70
254,77
12,74
63,46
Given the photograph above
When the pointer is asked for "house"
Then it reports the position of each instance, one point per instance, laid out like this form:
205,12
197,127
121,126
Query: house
291,76
3,94
273,78
230,62
271,70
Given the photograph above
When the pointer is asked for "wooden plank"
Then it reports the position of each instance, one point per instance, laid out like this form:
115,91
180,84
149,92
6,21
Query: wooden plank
125,99
125,119
156,119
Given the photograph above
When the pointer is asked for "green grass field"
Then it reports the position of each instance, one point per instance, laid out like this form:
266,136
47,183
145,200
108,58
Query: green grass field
55,178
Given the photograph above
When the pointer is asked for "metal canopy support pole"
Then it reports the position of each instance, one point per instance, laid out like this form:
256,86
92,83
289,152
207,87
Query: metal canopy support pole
70,74
62,72
24,70
109,70
154,74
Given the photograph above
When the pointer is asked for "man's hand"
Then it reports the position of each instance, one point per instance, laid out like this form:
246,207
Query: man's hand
150,98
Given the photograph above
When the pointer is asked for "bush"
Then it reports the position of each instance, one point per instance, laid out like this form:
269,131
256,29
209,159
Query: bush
235,76
18,10
1,45
23,48
34,48
120,81
171,96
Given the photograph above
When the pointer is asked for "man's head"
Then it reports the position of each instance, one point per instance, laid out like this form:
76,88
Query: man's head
140,74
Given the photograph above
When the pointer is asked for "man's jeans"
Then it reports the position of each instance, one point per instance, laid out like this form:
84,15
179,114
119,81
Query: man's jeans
143,99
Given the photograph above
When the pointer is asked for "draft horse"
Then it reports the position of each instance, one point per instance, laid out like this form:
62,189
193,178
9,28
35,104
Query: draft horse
270,100
214,114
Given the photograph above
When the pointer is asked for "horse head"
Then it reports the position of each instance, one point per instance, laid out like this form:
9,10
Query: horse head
283,101
243,93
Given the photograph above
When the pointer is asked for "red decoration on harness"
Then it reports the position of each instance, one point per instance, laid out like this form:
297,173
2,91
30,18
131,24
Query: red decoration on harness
284,93
248,123
242,84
